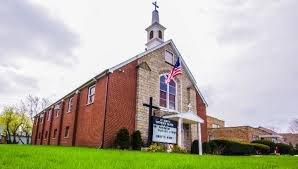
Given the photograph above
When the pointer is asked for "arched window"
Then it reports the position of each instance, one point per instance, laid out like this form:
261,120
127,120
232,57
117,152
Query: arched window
160,34
151,35
167,96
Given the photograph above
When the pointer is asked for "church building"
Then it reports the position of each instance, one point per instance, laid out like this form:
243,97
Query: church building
92,114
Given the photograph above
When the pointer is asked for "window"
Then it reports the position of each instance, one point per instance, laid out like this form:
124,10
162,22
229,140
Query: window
57,112
55,133
215,126
49,115
151,35
66,132
160,34
46,135
70,104
57,109
169,57
167,96
91,94
41,119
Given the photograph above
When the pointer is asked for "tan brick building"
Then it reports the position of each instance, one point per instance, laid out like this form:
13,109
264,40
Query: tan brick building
213,122
92,114
245,134
290,138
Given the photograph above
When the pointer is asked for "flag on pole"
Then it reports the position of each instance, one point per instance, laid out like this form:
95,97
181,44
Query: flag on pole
174,72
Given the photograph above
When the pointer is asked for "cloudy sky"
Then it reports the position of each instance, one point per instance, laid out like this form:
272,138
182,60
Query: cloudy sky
243,53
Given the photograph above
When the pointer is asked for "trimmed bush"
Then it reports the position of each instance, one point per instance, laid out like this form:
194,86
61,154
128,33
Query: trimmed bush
194,147
206,148
268,143
122,140
136,140
178,149
156,148
284,148
260,148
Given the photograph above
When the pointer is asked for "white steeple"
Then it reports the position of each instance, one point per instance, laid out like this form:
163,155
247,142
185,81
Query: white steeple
155,32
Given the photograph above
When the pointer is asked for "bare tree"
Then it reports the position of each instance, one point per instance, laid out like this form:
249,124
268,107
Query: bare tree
294,126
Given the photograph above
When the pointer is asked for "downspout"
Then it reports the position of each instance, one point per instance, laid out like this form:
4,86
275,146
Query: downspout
106,104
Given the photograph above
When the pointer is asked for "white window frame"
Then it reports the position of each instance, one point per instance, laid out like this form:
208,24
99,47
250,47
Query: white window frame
70,105
168,94
89,94
166,59
67,132
49,114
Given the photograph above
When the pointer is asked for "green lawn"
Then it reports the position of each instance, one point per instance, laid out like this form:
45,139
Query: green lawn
20,156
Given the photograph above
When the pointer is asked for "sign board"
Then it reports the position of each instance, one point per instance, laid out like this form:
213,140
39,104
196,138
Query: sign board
164,130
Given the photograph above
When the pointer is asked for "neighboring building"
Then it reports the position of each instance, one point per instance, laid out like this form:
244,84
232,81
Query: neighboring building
213,122
290,138
244,134
92,114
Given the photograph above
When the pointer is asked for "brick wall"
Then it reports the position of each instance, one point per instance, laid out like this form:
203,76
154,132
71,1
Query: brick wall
91,117
243,134
121,103
214,121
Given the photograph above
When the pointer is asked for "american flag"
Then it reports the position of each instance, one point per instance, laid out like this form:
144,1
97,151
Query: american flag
174,72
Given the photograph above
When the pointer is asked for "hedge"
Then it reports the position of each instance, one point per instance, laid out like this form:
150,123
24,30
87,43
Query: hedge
271,144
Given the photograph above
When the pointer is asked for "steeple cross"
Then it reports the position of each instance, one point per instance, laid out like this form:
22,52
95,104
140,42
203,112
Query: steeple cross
155,5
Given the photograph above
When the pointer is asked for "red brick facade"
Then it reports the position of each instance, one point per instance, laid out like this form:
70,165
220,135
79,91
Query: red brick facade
95,124
201,108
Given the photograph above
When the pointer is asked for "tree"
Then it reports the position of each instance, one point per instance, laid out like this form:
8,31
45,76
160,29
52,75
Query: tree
294,126
10,119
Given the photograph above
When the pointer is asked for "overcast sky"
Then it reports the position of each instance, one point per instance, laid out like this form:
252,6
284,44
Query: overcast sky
243,53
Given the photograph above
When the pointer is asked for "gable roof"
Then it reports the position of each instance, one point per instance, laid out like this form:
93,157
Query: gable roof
170,42
112,69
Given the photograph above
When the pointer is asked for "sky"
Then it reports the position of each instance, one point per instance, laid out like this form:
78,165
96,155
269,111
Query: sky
242,53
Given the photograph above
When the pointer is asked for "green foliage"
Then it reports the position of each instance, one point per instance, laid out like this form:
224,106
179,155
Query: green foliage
268,143
136,140
156,148
260,148
226,147
194,147
284,148
206,148
122,139
178,149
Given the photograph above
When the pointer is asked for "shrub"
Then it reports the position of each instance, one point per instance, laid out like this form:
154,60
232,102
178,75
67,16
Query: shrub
206,148
156,148
284,148
194,147
136,140
178,149
260,148
122,140
271,144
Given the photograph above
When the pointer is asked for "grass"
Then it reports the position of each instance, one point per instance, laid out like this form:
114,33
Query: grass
31,157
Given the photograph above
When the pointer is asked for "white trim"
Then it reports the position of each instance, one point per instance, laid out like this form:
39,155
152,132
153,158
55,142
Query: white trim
178,55
88,95
69,106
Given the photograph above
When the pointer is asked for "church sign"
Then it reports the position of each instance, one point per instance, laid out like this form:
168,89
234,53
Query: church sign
164,130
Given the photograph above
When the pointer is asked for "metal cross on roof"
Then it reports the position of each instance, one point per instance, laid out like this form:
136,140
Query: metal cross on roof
155,5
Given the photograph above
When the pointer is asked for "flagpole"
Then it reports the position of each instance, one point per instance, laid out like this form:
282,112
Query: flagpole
181,90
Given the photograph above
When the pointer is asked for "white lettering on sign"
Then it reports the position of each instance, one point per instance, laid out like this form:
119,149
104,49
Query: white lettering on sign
164,131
